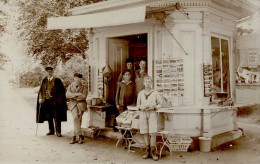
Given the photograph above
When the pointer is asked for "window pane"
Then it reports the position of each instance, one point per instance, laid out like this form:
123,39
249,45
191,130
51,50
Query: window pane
225,64
215,45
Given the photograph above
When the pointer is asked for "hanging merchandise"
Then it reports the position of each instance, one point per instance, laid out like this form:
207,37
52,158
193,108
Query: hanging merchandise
107,73
207,72
100,84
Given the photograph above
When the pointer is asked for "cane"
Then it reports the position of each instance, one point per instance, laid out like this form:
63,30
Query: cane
38,117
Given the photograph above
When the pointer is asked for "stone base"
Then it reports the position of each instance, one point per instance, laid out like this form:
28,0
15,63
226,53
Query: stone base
216,141
223,138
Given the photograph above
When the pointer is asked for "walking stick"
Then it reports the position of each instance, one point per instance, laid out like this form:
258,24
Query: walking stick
38,117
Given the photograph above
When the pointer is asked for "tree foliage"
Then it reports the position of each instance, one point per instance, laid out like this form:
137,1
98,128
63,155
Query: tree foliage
23,27
50,46
3,60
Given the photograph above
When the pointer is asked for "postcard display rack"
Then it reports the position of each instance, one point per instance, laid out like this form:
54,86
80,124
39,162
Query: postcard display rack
169,79
100,84
207,74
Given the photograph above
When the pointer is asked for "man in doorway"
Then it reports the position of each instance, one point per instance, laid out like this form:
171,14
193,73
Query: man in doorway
129,66
139,76
77,94
51,102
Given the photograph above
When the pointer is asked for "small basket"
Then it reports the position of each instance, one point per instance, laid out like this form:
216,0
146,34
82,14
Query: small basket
179,143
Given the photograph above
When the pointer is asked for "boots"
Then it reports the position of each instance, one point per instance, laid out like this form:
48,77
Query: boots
50,133
81,139
58,134
147,153
153,153
73,140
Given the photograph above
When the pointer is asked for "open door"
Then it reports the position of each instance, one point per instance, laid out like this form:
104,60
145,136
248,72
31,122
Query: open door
118,52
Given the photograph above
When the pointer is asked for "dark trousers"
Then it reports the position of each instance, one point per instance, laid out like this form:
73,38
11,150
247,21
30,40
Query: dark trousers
52,115
57,125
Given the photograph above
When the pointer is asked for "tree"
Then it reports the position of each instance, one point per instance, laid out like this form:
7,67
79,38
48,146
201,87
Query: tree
26,40
3,60
54,45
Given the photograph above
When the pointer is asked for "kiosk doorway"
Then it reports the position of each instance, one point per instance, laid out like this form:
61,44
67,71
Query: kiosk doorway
120,49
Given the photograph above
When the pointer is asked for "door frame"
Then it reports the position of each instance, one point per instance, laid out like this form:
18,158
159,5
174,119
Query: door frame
98,47
147,31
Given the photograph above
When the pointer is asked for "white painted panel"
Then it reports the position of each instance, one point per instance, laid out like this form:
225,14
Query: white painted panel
188,43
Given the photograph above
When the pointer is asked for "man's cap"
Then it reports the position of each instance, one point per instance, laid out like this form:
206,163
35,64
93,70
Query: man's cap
48,68
129,60
80,75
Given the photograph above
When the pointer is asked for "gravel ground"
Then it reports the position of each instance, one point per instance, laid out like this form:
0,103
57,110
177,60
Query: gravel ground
18,143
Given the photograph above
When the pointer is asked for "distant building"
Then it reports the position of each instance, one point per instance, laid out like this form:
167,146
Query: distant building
248,60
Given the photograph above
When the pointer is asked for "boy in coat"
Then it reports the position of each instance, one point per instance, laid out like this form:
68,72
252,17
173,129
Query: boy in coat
125,93
77,94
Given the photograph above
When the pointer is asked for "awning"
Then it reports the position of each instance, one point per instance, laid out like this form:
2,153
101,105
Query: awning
111,18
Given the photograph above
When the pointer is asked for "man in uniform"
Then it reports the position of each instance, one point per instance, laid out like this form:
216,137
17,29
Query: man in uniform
51,102
77,94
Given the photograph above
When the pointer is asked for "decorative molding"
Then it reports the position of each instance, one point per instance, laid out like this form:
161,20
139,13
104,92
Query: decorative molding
201,6
184,4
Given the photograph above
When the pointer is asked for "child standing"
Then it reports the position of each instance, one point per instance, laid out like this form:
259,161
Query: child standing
77,94
125,93
148,101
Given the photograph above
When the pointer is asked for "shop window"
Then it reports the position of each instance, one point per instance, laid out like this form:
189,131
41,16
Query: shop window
220,65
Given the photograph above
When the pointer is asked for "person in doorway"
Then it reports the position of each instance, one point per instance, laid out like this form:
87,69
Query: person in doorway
77,94
139,76
125,92
148,101
51,102
125,95
129,66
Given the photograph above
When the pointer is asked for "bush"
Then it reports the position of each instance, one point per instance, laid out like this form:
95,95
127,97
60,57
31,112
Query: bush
75,65
32,78
65,72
